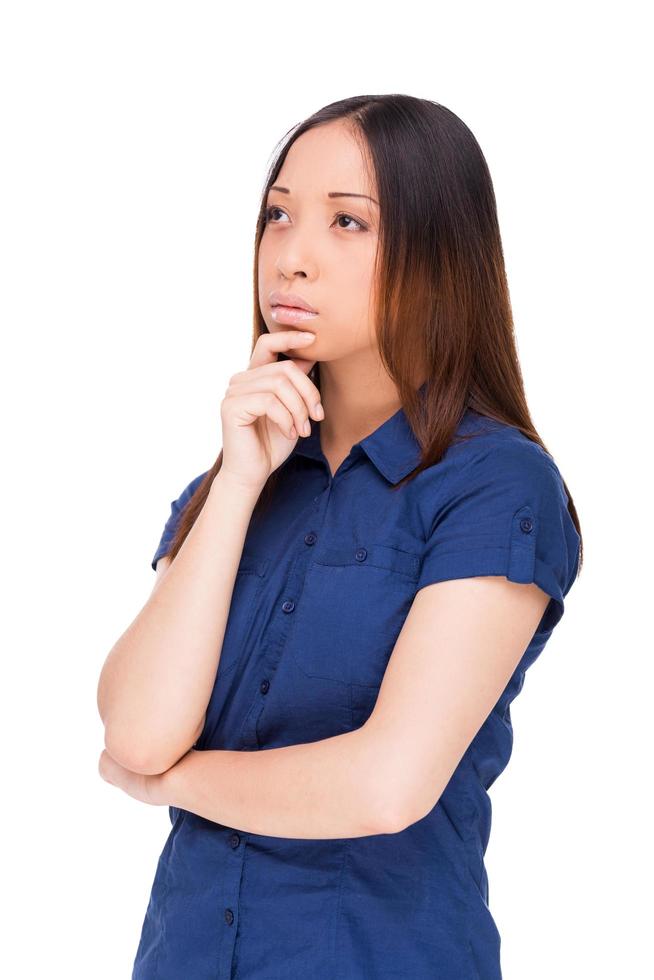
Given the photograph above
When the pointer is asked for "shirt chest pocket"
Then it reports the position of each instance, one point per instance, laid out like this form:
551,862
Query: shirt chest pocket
248,583
352,607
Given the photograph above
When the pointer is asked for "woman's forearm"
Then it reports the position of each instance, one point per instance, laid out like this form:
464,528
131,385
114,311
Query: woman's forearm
326,789
157,679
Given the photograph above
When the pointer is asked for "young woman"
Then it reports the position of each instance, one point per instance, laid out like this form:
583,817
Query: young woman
347,601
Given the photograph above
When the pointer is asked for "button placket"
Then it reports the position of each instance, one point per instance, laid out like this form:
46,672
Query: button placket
230,898
282,622
278,630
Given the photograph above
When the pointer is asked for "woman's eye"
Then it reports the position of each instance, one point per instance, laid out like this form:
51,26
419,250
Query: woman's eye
268,214
269,211
348,217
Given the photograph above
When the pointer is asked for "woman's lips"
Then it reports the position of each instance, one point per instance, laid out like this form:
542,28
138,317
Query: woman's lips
290,314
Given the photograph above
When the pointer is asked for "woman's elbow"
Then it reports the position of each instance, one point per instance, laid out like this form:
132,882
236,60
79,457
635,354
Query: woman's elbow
148,756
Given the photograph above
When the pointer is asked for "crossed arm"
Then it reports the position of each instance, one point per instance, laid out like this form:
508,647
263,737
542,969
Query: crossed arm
459,646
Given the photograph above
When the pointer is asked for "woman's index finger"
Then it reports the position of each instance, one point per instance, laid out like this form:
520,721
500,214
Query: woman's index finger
269,345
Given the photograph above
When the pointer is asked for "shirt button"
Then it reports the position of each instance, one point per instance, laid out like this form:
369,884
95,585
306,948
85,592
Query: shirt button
361,554
234,840
526,524
229,916
263,687
288,606
310,538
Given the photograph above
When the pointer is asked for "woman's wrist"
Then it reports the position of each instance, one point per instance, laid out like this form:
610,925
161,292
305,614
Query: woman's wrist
164,788
241,490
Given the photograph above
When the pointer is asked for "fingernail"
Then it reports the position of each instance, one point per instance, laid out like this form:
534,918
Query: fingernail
309,336
307,428
319,410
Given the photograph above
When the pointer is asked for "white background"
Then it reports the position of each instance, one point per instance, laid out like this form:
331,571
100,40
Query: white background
135,142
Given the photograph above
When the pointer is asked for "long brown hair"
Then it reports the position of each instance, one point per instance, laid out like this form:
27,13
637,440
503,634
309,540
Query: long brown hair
442,297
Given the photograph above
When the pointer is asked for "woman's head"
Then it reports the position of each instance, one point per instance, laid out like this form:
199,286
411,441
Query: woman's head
421,293
416,276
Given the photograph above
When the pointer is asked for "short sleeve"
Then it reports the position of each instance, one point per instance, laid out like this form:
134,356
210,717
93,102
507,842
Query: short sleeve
505,512
176,510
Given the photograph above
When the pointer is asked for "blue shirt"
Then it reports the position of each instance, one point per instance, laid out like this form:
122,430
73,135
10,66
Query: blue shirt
325,582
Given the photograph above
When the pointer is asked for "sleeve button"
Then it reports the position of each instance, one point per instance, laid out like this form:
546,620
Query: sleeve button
526,524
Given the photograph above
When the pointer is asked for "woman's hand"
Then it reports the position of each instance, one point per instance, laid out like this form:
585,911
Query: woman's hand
265,409
147,789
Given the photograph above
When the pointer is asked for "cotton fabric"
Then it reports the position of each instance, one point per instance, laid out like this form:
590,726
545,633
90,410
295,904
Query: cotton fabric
326,579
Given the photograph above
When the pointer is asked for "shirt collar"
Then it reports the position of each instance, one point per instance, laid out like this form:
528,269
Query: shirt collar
392,447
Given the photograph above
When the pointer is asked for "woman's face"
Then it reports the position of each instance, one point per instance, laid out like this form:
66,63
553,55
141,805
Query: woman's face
323,248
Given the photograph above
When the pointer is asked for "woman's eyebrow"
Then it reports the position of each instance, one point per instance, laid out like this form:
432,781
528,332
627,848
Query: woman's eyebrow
285,190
